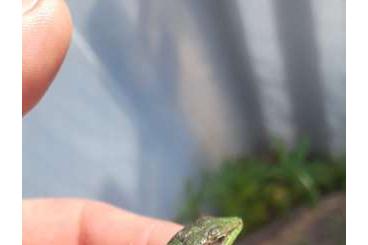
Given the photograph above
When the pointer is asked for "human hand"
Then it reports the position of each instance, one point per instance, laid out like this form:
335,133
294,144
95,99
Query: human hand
46,32
83,222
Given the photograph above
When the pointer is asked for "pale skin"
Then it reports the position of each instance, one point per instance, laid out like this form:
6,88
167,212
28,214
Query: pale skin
46,33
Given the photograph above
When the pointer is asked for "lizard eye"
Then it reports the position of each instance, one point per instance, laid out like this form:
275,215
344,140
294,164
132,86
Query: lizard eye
214,232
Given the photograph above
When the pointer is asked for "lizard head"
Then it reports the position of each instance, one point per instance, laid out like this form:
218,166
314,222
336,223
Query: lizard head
218,231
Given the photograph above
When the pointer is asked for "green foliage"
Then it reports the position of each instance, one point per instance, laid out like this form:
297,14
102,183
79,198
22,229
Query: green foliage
259,189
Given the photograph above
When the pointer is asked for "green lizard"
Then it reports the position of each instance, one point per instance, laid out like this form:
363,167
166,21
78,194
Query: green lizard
209,231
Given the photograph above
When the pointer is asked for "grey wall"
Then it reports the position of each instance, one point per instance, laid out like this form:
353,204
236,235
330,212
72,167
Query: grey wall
152,91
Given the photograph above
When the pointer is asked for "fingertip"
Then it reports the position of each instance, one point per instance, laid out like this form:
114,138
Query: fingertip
46,29
105,224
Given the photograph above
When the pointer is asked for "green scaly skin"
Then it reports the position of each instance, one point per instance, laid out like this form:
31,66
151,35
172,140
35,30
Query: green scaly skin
209,231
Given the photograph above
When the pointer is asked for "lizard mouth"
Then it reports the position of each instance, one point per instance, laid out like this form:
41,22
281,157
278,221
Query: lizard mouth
232,234
220,241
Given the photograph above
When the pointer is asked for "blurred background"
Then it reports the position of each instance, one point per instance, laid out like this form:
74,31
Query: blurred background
176,109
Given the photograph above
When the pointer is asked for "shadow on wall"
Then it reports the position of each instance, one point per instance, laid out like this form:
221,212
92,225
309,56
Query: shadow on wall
299,47
227,49
226,45
144,70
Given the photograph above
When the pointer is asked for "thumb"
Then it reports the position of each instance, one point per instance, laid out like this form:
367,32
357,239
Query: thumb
46,32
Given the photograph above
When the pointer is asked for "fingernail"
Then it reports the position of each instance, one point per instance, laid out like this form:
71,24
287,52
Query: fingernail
27,5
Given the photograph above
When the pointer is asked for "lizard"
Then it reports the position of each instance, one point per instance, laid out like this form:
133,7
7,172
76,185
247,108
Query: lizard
209,231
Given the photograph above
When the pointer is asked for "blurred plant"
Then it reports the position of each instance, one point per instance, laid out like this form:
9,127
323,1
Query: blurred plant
261,188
